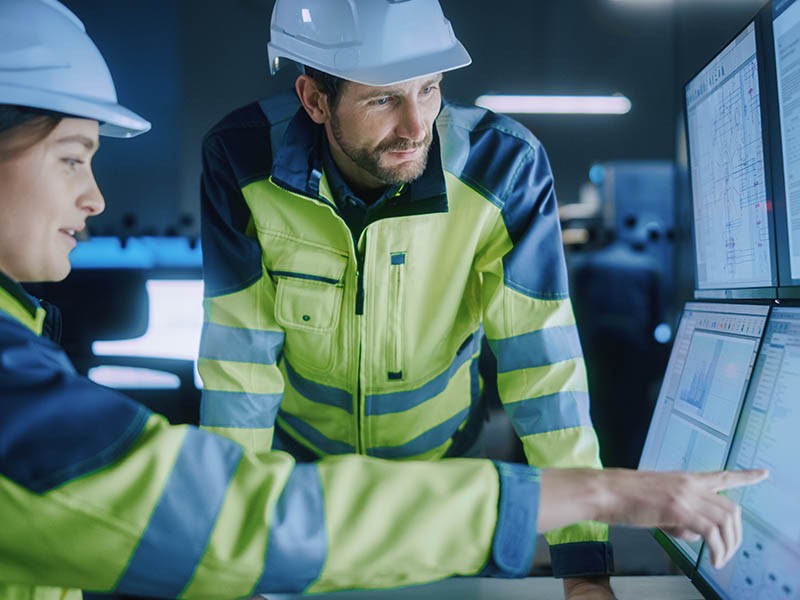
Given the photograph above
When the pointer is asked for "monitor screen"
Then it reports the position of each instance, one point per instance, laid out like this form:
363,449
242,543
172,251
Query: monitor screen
702,391
768,436
785,91
732,216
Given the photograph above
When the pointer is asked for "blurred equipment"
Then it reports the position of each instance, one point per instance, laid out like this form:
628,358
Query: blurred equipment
582,222
621,293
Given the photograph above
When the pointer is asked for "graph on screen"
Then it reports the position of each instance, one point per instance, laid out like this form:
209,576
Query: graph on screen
726,151
713,379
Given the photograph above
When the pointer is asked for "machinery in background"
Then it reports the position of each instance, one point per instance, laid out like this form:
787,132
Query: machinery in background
622,290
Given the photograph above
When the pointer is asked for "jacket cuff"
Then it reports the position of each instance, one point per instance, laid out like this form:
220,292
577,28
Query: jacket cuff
515,533
582,559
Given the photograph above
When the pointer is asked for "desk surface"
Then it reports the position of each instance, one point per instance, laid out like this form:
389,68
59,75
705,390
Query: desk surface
539,588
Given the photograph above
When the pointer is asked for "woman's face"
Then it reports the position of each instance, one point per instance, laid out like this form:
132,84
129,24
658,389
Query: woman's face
46,194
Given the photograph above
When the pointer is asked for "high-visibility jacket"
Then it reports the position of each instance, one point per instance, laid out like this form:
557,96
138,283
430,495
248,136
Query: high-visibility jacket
370,346
98,493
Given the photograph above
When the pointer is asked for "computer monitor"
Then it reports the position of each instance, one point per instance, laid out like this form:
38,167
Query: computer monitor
731,188
768,436
783,103
701,395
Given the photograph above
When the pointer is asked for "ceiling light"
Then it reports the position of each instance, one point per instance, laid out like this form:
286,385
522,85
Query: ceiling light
564,105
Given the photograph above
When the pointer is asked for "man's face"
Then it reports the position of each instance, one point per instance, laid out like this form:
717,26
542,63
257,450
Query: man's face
380,136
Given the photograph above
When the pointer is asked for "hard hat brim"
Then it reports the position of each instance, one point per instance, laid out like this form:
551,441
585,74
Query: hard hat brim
415,68
115,120
453,58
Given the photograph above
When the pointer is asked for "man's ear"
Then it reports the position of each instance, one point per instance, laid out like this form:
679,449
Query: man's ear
313,99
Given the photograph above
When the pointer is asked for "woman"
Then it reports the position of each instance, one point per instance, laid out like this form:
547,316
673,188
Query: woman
98,493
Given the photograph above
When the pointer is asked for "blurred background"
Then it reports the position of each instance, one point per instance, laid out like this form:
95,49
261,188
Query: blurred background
620,179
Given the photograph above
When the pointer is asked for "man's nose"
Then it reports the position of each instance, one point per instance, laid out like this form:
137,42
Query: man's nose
412,123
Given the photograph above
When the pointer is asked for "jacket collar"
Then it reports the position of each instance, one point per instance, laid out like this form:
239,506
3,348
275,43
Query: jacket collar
338,185
21,306
298,166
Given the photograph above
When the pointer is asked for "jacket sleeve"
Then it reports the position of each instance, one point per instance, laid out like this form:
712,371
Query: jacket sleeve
100,494
531,329
241,342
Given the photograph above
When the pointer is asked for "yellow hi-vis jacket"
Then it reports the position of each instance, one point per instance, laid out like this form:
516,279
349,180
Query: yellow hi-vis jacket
98,493
370,346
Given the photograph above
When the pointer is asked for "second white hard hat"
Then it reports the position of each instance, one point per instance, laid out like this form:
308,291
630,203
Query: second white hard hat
375,42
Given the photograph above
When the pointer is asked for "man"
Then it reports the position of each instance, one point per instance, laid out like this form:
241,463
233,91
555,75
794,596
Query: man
359,245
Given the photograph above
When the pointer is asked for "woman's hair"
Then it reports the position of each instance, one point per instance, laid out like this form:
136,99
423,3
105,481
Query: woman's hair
22,127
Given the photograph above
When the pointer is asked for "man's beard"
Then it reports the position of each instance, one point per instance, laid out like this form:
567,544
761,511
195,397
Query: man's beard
369,159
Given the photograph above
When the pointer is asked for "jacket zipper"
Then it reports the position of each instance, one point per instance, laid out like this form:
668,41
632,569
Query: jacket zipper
359,407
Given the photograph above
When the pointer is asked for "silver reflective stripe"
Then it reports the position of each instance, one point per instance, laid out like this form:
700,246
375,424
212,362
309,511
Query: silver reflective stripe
236,344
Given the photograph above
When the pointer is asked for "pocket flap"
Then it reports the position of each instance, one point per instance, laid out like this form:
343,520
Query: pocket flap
308,304
303,261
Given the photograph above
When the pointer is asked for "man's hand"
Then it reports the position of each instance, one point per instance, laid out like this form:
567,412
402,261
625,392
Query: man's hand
685,505
588,588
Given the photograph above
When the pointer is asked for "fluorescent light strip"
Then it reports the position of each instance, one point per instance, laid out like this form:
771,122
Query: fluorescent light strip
556,105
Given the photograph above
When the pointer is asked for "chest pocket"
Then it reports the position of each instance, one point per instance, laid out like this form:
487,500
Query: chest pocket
308,302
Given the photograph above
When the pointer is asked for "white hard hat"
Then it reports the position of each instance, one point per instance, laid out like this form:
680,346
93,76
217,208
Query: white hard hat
47,61
375,42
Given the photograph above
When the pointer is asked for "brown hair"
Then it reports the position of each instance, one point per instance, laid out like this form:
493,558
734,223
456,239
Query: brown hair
330,85
22,127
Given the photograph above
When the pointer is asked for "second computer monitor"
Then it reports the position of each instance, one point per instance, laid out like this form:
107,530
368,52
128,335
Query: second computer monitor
768,436
783,106
701,395
731,187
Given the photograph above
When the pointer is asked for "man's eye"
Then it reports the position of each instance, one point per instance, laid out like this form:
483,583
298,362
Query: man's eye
381,101
72,162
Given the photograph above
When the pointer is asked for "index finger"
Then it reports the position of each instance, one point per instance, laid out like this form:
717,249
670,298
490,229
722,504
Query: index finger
723,480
